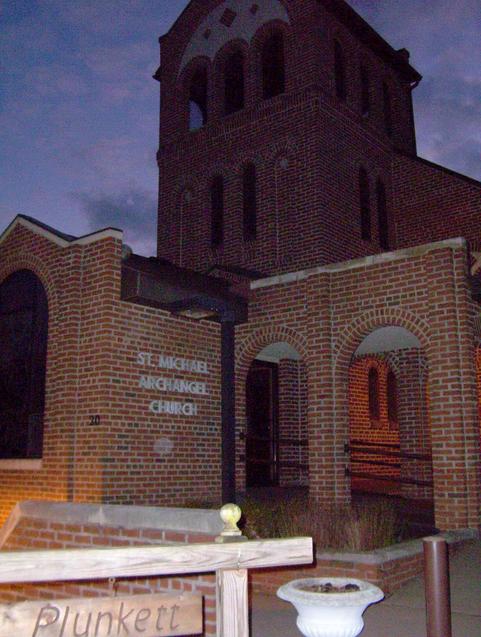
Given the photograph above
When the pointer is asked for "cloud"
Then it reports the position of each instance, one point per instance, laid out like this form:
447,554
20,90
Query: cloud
133,210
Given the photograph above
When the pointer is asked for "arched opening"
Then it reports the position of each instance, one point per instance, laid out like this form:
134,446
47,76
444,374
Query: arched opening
198,100
364,205
339,71
273,66
217,211
373,395
382,214
249,202
234,83
390,438
365,91
276,419
387,108
23,359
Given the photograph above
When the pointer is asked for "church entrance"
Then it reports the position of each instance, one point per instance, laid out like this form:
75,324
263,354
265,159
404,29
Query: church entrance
262,414
276,419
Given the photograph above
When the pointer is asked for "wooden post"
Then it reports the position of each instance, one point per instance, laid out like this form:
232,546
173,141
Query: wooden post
232,603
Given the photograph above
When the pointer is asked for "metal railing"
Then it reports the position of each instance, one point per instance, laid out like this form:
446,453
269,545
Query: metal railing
358,449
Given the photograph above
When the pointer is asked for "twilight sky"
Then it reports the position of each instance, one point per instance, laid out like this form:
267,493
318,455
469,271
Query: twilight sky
79,107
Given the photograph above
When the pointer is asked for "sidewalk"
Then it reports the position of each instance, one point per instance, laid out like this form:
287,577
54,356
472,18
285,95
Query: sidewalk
402,614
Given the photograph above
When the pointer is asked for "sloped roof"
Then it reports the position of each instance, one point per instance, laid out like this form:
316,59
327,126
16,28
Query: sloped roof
60,238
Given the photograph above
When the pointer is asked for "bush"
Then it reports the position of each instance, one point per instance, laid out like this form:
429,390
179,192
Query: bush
362,526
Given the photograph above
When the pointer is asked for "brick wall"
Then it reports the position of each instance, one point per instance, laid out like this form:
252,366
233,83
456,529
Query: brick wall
326,313
364,428
433,203
129,454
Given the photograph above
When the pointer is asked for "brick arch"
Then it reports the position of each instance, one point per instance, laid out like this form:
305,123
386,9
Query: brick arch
261,338
201,61
364,324
283,148
217,91
237,44
255,54
24,261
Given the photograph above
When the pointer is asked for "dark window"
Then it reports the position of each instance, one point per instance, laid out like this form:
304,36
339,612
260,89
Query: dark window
365,92
364,205
339,71
23,358
217,211
234,83
198,100
373,382
387,109
249,201
392,398
382,214
273,66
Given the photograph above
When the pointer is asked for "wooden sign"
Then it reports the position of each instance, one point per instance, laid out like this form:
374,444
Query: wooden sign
133,616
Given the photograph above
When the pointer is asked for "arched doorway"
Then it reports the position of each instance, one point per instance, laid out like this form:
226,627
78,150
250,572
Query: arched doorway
390,438
276,419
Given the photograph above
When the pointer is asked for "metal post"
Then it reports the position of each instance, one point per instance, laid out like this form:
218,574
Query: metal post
228,407
436,576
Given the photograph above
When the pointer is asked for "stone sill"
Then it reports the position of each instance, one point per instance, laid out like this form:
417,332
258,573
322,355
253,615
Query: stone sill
19,464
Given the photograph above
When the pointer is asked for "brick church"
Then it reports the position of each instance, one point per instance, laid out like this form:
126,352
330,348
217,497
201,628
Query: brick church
311,318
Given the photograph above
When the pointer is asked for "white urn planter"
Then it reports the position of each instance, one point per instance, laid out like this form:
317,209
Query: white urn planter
330,614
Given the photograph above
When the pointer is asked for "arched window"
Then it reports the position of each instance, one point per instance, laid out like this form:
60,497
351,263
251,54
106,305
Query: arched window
373,390
249,194
217,211
392,412
365,92
339,71
198,99
23,359
382,213
234,83
364,205
387,109
273,66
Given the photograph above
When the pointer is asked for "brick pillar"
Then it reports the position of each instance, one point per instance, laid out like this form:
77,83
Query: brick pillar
328,412
414,430
292,423
452,389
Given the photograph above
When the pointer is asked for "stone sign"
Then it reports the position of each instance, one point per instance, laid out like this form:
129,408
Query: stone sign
135,616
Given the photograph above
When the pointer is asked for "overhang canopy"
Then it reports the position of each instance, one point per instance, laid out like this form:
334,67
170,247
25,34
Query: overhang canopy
158,283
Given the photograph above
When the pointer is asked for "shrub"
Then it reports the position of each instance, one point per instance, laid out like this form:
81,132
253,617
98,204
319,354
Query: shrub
361,526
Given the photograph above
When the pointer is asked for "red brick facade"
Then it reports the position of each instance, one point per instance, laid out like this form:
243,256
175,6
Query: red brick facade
130,454
329,288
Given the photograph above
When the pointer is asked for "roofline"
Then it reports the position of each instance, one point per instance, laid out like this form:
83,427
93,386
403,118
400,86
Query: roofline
359,27
56,237
179,17
448,171
368,35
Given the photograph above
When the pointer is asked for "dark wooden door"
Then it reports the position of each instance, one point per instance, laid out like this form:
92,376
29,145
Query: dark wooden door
262,425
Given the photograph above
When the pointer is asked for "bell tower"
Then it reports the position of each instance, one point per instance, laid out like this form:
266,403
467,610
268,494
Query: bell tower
277,126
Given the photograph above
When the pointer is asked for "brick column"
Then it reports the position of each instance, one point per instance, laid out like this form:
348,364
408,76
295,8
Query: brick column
292,422
414,431
452,389
328,412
